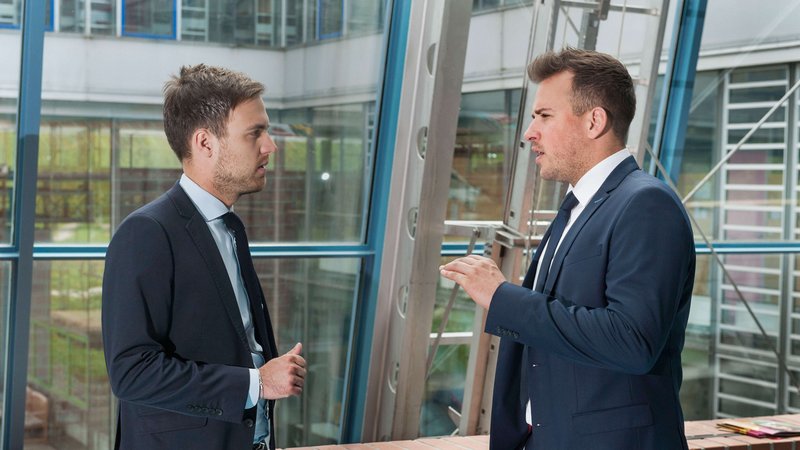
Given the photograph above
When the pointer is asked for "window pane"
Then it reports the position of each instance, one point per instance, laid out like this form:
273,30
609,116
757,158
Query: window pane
155,18
484,147
5,292
9,76
72,203
311,301
10,13
68,384
316,187
294,25
69,400
102,16
103,154
364,16
329,18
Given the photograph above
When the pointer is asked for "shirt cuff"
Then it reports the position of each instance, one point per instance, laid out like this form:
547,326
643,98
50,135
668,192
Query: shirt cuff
252,393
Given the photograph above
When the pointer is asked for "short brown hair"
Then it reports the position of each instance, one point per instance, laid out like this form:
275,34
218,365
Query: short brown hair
203,96
598,80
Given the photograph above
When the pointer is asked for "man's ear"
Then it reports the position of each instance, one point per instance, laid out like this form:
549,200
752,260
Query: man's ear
203,143
598,122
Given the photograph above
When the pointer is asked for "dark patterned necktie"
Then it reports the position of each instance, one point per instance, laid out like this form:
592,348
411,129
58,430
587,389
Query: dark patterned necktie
556,230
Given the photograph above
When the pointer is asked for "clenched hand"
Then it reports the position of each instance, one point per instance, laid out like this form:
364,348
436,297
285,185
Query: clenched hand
283,376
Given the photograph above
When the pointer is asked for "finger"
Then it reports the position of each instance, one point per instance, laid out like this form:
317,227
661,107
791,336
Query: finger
457,277
296,349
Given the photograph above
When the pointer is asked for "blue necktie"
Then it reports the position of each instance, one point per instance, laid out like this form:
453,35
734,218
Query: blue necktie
556,230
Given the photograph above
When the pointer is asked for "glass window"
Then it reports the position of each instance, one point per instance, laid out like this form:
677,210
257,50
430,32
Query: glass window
316,189
73,203
330,15
155,18
311,301
444,388
103,154
6,268
101,13
748,200
68,396
10,13
364,16
293,23
484,148
8,162
68,388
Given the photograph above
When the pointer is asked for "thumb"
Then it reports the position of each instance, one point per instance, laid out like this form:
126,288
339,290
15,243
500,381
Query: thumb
296,349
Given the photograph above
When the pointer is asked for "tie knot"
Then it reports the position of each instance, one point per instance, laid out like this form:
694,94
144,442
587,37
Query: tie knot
570,201
233,222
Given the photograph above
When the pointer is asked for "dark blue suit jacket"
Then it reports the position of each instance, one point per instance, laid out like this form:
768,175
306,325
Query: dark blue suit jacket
175,346
599,353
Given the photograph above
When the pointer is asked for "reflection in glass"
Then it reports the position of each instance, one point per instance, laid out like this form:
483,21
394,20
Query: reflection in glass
68,398
94,172
101,13
5,292
484,147
8,162
316,182
154,18
444,387
311,301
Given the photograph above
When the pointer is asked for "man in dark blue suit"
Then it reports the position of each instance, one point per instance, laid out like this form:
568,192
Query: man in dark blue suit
590,350
188,341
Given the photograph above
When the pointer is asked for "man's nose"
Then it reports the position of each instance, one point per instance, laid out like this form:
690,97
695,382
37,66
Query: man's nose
269,146
531,134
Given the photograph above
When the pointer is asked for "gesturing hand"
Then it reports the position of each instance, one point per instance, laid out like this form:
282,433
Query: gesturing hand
477,275
283,376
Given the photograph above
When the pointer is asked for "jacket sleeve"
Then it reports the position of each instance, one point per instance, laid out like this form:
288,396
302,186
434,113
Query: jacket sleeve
648,280
143,365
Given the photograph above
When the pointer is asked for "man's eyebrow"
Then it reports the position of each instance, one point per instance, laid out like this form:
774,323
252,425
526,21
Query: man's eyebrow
258,126
540,111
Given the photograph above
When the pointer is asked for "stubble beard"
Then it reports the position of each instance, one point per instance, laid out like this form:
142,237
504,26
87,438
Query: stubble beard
229,183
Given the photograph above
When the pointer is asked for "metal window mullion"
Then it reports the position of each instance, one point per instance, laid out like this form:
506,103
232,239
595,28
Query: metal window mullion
17,316
719,346
787,280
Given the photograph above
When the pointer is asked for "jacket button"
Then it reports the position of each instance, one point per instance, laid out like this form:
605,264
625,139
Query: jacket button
248,423
218,412
533,365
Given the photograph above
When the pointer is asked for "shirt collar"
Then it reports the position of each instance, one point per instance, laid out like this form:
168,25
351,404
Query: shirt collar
591,181
209,206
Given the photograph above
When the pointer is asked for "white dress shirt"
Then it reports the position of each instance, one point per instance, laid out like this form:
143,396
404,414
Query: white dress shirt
584,190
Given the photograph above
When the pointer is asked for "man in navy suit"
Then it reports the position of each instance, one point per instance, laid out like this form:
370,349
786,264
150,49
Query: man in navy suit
188,341
590,350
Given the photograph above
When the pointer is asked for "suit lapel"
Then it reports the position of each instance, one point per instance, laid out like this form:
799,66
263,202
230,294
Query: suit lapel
201,236
619,173
530,276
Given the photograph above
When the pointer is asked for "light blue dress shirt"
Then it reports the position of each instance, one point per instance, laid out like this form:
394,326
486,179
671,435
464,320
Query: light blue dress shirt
212,210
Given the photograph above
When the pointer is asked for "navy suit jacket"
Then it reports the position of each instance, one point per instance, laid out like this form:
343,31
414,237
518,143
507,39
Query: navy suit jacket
599,352
175,347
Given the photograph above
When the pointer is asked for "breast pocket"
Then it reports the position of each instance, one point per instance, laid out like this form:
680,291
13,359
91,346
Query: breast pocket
583,253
